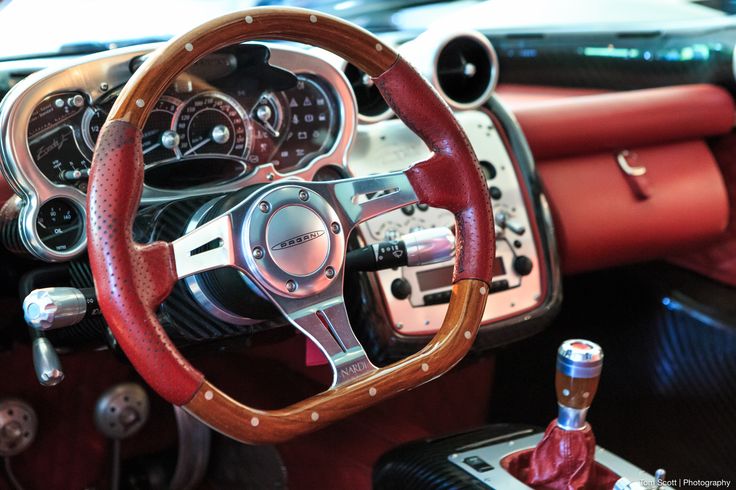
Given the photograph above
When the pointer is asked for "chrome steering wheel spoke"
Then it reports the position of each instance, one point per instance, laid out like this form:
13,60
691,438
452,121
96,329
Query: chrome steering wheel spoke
207,247
363,198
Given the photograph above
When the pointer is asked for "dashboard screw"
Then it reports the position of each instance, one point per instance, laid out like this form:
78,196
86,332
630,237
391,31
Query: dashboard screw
330,272
258,253
290,286
104,86
303,195
269,176
335,227
264,206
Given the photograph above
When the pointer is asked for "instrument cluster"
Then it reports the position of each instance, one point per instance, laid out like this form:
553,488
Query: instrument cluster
195,136
247,114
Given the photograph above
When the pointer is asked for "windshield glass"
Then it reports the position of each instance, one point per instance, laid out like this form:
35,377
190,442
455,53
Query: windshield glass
47,27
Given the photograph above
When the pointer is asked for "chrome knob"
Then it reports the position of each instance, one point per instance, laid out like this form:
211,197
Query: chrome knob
579,365
49,308
46,362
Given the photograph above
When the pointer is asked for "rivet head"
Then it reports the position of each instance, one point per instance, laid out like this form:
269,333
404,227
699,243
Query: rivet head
313,18
290,286
188,47
330,272
468,335
254,421
249,19
208,395
379,47
335,227
425,367
303,195
258,253
315,416
264,207
372,391
104,86
140,102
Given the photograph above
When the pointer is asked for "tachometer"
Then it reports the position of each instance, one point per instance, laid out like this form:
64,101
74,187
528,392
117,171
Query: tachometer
159,141
212,123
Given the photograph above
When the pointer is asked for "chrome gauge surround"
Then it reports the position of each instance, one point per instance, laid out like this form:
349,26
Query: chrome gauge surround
94,75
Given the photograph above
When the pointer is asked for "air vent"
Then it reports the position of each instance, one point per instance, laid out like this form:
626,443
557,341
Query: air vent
371,106
466,70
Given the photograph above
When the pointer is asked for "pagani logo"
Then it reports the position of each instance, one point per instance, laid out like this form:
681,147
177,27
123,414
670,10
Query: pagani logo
298,240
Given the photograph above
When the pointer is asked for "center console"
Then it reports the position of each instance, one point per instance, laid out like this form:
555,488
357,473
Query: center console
415,298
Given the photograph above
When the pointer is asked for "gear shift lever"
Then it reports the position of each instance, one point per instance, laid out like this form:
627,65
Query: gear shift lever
579,364
565,457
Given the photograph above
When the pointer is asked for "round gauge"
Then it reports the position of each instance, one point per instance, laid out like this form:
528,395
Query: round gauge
311,121
59,225
212,123
269,114
159,141
57,156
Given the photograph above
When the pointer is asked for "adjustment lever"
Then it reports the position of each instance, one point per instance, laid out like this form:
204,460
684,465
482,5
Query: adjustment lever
50,308
421,247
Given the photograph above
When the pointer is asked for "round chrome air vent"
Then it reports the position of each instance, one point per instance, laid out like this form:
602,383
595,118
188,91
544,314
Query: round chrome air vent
371,105
466,70
462,66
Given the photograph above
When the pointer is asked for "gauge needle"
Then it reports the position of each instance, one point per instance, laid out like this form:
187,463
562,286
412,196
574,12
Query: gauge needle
270,129
198,146
151,148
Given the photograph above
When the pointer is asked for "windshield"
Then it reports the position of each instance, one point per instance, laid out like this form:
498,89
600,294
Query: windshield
49,27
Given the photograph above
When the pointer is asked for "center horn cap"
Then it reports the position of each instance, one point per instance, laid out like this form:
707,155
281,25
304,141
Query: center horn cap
293,242
297,240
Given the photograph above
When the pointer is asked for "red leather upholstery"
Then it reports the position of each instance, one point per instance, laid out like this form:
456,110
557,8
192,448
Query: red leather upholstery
516,96
717,259
132,280
600,222
622,120
563,460
452,178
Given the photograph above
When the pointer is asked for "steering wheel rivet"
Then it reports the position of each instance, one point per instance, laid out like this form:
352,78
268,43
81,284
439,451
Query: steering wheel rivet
372,391
264,207
335,227
468,335
249,19
330,272
189,47
482,290
140,102
208,395
258,253
379,47
425,367
254,421
313,19
303,195
290,286
315,416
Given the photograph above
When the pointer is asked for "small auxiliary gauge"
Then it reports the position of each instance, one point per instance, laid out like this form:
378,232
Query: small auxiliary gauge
59,225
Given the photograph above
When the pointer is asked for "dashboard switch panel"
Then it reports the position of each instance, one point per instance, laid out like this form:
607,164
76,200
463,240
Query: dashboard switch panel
425,290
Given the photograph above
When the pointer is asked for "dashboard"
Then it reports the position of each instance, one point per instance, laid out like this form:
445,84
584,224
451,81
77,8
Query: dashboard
256,113
247,113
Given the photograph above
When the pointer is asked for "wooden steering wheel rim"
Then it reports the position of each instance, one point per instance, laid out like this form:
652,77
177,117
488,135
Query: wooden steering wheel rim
133,279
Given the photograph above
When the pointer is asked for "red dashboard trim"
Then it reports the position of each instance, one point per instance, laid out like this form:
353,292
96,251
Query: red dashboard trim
621,120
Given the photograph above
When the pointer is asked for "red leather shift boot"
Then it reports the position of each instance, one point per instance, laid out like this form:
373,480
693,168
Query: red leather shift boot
563,460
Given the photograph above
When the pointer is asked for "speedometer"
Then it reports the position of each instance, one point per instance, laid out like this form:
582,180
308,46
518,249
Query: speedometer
212,123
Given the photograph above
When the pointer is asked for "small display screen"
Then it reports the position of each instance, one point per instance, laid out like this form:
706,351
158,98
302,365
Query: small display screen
442,277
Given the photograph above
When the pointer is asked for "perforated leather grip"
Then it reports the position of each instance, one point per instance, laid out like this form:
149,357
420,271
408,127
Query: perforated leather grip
452,178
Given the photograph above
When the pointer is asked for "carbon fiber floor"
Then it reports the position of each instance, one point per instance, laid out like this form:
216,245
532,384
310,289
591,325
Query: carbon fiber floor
668,391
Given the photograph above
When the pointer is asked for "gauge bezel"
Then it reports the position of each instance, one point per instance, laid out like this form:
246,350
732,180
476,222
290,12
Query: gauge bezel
80,214
90,74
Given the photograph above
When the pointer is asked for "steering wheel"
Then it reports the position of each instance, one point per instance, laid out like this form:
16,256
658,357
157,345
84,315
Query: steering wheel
289,237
